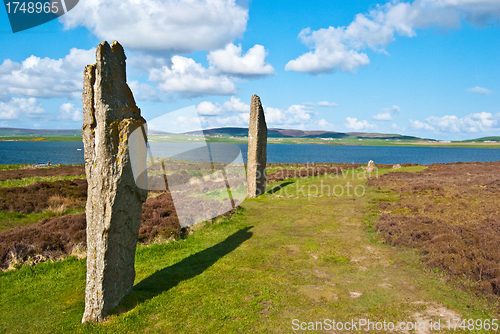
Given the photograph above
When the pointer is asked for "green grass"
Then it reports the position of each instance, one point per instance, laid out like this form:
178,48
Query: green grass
282,256
221,195
13,167
366,141
32,180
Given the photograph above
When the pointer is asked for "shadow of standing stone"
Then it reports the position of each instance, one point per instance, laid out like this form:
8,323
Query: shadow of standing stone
257,150
114,202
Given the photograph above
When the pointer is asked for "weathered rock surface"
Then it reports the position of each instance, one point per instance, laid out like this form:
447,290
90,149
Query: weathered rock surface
114,202
396,166
257,150
371,167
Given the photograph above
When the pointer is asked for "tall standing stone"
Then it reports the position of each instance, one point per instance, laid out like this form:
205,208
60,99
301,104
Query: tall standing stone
114,202
257,150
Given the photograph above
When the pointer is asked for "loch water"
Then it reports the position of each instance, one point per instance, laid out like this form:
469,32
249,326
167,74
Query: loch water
19,152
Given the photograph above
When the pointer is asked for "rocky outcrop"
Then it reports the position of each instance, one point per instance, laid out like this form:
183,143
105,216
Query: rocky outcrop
370,168
114,202
257,150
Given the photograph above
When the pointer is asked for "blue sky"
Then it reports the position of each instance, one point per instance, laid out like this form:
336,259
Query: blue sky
427,67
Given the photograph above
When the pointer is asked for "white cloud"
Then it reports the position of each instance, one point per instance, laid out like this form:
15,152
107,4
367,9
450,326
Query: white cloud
341,48
394,109
190,79
300,114
477,12
4,96
236,113
326,104
145,63
46,77
70,112
323,123
18,107
209,109
143,91
240,119
477,122
420,125
320,104
230,60
383,117
354,124
329,53
275,116
236,105
177,26
297,114
480,90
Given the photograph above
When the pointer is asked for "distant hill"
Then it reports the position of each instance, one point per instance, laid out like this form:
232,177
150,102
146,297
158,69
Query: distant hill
482,139
11,132
156,132
291,133
231,132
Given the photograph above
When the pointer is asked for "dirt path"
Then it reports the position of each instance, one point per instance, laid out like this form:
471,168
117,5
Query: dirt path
322,253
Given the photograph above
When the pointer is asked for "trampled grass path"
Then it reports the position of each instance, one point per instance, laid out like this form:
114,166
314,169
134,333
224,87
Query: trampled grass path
283,256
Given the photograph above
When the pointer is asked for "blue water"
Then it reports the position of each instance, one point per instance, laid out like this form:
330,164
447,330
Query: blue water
67,153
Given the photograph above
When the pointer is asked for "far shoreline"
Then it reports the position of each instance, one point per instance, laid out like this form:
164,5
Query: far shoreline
299,141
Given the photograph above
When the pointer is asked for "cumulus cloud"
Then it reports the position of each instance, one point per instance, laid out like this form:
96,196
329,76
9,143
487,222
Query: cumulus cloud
234,105
341,48
209,109
383,117
326,104
68,111
418,125
176,26
18,107
230,60
297,114
477,122
275,116
480,90
386,115
329,53
189,79
143,91
145,63
236,113
294,115
46,77
240,119
354,124
323,123
394,109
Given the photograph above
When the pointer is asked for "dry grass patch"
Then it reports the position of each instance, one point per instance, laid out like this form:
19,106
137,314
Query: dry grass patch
451,212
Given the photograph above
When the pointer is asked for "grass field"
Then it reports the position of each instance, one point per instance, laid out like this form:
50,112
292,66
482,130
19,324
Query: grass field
32,180
181,138
292,254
